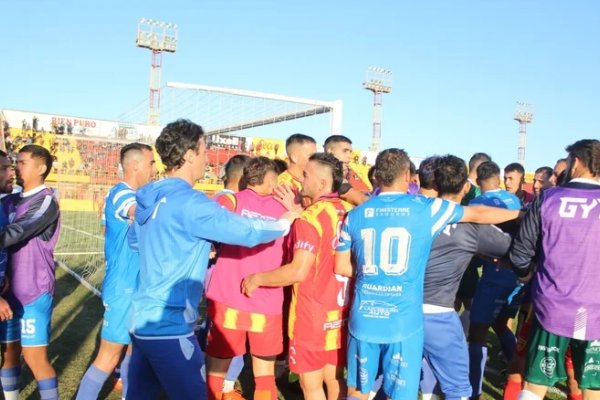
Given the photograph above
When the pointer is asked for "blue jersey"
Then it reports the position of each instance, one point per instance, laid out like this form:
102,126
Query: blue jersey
122,263
176,225
390,238
499,198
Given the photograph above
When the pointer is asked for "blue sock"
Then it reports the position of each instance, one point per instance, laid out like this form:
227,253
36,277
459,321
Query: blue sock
507,342
235,368
48,388
9,377
124,373
477,361
92,383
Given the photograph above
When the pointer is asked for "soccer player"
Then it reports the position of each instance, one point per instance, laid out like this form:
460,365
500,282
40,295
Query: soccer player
565,289
353,188
299,148
468,283
316,321
238,319
388,239
445,348
427,168
497,295
559,169
514,178
7,178
30,236
233,171
542,180
122,271
177,225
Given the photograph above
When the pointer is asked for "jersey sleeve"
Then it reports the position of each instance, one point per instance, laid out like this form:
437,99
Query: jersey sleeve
344,237
227,201
491,241
40,219
524,247
122,201
443,213
208,220
306,236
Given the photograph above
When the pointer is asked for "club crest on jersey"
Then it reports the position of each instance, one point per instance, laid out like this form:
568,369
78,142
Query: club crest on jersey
570,205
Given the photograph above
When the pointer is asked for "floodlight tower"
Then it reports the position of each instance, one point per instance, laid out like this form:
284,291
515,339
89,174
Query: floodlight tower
378,81
159,37
524,116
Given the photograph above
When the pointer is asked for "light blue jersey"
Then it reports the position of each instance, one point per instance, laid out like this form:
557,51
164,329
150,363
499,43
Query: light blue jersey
498,198
122,263
390,237
177,224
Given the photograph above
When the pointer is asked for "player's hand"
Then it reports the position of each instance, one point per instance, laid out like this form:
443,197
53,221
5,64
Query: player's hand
5,310
249,285
287,197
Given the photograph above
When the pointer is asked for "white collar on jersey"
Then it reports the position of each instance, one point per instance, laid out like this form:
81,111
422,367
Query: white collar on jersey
33,191
390,193
585,180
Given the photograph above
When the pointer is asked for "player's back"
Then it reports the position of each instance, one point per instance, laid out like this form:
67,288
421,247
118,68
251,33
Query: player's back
391,239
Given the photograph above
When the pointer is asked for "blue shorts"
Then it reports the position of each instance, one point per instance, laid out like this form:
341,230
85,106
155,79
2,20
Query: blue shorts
175,365
30,323
493,300
117,320
400,363
446,352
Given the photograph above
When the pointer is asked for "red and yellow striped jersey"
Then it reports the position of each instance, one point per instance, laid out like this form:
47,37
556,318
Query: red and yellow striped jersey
318,307
291,180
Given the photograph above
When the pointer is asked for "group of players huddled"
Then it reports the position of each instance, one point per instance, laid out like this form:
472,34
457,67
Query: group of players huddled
356,293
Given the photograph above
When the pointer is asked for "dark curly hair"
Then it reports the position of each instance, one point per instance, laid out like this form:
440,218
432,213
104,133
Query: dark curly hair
390,164
335,166
175,140
255,171
450,175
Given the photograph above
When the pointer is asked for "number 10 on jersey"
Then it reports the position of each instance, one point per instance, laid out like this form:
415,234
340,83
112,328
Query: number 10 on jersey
393,251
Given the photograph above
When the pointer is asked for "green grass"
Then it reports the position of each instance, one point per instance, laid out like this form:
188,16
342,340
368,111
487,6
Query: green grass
78,314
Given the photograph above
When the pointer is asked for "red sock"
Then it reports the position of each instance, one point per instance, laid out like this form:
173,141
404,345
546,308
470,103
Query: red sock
512,389
572,396
265,388
215,387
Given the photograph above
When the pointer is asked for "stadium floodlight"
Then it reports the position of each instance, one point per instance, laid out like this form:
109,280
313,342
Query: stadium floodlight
378,81
159,37
524,116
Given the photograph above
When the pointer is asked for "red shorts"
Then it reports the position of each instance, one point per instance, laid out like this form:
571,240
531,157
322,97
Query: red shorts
231,328
304,360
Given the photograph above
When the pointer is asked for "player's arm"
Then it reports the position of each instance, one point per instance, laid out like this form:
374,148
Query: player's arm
343,254
296,271
525,244
343,263
351,195
208,220
488,215
492,242
42,214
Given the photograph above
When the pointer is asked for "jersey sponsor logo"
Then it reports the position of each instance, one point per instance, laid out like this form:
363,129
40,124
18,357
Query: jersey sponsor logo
591,366
549,349
395,289
570,205
396,379
369,212
377,309
547,366
387,212
364,376
333,324
253,214
304,245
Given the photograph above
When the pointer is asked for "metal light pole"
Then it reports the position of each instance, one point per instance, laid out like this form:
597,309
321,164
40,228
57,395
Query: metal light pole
158,37
524,116
378,81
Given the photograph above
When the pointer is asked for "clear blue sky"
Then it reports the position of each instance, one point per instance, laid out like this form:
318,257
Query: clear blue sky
459,66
